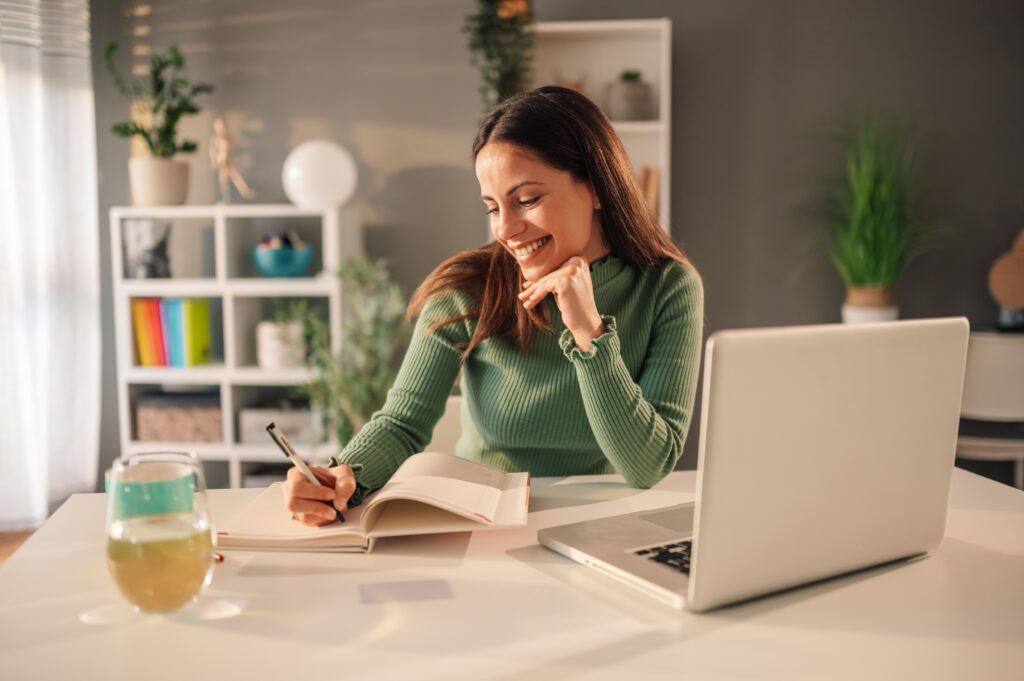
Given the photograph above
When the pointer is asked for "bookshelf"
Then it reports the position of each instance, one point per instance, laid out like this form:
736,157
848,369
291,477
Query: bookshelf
209,249
595,53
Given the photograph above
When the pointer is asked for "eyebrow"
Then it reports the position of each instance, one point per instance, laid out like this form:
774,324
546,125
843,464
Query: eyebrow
512,189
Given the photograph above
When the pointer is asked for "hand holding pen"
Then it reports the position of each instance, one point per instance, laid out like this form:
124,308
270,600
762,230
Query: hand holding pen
314,495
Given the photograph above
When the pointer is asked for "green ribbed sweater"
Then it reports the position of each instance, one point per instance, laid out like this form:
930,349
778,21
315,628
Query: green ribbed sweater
623,406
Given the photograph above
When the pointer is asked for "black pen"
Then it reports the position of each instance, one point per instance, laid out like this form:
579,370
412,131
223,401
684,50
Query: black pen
278,437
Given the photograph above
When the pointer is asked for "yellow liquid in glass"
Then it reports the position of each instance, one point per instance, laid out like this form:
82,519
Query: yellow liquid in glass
160,564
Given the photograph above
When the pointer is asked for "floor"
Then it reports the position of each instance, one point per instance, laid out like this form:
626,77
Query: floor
9,543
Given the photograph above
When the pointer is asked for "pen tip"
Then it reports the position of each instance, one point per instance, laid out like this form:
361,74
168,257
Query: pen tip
270,427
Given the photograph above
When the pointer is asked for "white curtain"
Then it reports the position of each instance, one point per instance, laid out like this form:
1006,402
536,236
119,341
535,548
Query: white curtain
49,260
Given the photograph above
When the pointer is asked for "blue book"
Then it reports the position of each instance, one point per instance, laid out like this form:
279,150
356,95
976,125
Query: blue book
171,314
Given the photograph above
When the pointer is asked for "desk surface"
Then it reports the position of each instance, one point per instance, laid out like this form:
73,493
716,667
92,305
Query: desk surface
498,606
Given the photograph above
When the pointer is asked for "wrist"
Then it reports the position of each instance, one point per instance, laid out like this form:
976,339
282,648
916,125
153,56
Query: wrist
585,336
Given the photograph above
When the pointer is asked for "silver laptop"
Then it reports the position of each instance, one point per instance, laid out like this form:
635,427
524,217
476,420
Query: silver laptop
823,450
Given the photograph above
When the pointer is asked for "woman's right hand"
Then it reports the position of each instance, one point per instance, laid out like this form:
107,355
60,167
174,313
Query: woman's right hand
316,505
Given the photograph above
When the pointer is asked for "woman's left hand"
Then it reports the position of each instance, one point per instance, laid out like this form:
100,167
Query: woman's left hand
574,294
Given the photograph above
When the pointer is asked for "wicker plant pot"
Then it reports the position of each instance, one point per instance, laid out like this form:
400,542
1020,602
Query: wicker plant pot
867,304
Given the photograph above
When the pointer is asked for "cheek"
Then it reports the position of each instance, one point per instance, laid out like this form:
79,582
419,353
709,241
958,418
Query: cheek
570,230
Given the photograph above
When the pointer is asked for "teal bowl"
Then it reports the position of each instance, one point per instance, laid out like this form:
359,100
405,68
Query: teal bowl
282,262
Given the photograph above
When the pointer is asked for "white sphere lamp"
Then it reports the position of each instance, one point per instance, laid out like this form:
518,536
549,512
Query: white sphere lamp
319,174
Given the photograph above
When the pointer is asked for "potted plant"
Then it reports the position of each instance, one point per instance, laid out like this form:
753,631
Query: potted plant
629,98
870,221
350,384
501,44
159,101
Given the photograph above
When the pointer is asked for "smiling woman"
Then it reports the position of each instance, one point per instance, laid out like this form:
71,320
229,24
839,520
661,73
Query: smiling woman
577,331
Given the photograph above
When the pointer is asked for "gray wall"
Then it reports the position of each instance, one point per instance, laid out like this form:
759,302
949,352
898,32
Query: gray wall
757,89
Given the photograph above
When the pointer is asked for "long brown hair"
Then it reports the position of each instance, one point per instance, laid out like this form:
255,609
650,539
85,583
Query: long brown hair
567,131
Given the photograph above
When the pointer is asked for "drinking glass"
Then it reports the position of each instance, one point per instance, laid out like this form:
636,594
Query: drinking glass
159,540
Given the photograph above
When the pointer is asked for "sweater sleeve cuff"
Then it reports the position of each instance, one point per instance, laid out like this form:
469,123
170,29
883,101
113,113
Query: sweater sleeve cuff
605,344
361,489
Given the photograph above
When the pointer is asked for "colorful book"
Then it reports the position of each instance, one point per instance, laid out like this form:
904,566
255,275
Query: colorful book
143,345
196,331
148,332
171,316
156,331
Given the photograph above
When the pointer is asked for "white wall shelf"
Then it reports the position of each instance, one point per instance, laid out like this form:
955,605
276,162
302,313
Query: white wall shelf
225,275
595,53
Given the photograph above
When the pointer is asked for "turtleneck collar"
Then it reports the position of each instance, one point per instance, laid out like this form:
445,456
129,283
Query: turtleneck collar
605,269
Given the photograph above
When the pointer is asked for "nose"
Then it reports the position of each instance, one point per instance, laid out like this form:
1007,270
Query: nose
506,225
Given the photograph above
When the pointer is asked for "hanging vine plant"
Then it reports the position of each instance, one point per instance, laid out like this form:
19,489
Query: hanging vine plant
501,45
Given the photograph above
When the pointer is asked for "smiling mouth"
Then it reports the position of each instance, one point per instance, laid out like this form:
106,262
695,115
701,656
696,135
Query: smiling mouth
529,249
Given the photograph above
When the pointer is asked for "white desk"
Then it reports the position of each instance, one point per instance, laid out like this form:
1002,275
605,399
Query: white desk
498,606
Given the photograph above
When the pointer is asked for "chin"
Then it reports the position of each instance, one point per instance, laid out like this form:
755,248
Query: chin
532,273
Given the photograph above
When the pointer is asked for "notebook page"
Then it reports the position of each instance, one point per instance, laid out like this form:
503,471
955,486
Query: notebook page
436,464
469,500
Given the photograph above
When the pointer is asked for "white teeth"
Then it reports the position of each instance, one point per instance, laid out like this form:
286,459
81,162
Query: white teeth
527,250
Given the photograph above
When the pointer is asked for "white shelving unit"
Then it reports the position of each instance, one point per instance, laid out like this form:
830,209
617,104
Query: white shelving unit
210,254
596,53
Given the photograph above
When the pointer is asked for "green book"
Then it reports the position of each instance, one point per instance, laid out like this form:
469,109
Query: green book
196,313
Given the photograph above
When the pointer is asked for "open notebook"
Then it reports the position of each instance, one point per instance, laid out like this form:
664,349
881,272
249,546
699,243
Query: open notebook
428,494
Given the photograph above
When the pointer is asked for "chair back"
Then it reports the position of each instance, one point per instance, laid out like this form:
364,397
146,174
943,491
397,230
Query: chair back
994,377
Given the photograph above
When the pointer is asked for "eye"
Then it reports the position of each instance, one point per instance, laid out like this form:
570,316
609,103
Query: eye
526,203
491,211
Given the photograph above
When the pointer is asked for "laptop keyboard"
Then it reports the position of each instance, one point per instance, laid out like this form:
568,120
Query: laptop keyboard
675,555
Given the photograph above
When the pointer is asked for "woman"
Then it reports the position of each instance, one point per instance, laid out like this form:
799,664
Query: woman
578,330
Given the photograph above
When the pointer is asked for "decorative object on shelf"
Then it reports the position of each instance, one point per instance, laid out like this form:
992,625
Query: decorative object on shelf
629,98
145,253
159,101
349,386
282,255
501,46
221,144
178,417
1006,284
319,174
295,421
650,180
280,343
870,220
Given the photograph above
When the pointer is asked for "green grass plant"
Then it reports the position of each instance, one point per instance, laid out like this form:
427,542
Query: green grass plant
872,229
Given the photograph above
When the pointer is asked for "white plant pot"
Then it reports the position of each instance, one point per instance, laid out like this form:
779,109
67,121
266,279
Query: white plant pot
279,345
856,314
158,181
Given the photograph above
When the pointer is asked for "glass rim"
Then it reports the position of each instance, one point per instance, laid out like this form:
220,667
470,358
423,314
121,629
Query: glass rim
177,464
181,455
